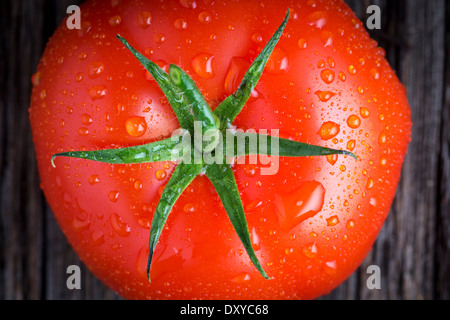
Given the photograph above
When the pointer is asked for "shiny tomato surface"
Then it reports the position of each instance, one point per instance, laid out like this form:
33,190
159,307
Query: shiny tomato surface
311,224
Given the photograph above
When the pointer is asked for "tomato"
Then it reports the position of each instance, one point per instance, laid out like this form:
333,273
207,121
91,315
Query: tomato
311,224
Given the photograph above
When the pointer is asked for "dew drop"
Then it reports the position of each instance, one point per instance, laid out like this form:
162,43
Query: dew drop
352,69
328,130
98,92
330,267
202,65
302,43
317,19
138,185
332,158
324,96
95,69
370,183
354,121
79,77
310,250
86,119
144,19
36,78
255,239
351,145
332,221
257,38
364,112
189,4
180,24
141,262
374,74
382,138
236,71
327,76
97,237
204,17
299,205
93,179
160,38
350,224
119,225
115,21
114,196
241,278
160,174
342,76
278,62
83,131
136,126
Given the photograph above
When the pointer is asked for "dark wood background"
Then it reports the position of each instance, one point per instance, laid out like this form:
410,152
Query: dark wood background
413,248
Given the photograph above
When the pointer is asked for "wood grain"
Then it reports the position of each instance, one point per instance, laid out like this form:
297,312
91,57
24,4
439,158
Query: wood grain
413,248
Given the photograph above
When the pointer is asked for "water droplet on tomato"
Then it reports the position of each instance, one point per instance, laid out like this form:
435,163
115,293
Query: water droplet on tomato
324,96
119,225
136,126
97,237
310,250
86,119
115,21
327,76
83,131
189,4
354,121
317,19
180,24
382,138
79,77
159,38
352,69
299,205
160,174
95,69
241,278
330,267
141,262
350,224
93,179
202,65
370,183
328,130
255,239
236,71
98,92
257,38
278,62
332,221
374,74
36,78
144,19
351,145
113,195
204,17
302,43
332,158
138,185
364,112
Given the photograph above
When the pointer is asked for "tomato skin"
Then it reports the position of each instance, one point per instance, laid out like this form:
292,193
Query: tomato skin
311,224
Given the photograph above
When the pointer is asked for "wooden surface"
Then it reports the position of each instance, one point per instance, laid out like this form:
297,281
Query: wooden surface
413,248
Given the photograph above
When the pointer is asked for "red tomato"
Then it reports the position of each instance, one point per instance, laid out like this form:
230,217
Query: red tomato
311,224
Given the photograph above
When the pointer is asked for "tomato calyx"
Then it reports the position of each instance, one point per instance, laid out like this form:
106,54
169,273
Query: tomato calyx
209,153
